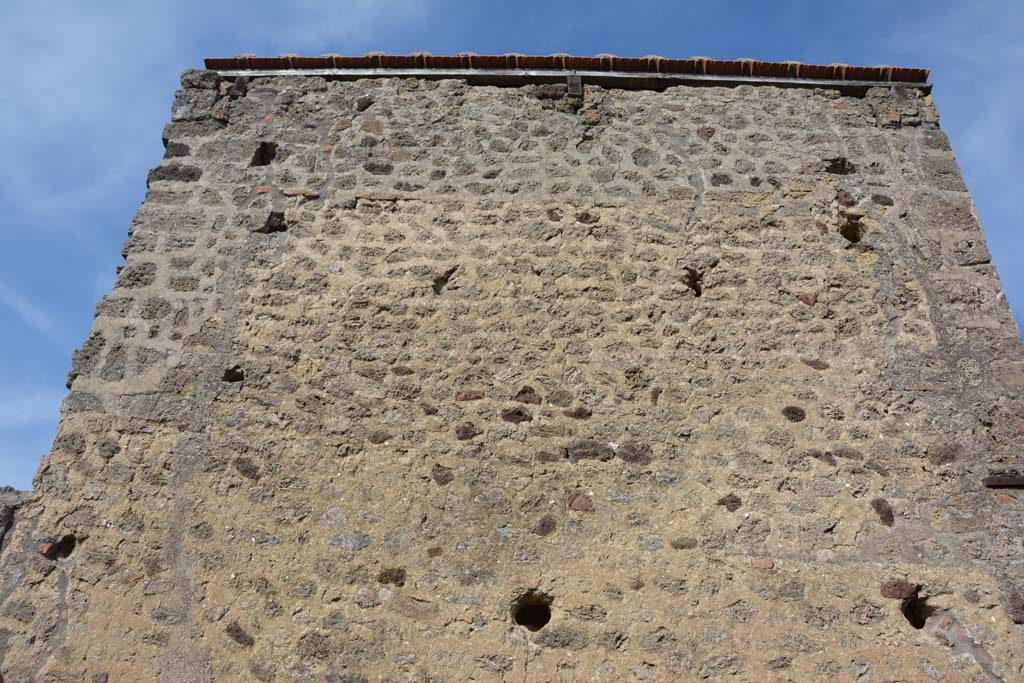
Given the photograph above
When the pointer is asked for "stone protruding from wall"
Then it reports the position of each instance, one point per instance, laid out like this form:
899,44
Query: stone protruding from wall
420,381
10,500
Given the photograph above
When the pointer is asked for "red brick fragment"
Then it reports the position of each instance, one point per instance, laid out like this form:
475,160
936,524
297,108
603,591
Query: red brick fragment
884,511
467,431
794,414
730,502
392,575
378,437
442,475
578,413
942,454
516,415
580,502
527,395
545,526
899,589
238,634
844,198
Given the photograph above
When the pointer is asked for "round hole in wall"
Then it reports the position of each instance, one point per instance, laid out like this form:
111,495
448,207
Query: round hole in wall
917,611
59,550
532,610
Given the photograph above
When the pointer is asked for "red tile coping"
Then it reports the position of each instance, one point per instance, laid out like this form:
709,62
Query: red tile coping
697,66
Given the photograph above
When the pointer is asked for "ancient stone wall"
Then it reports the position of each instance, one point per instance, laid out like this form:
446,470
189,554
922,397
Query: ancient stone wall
701,385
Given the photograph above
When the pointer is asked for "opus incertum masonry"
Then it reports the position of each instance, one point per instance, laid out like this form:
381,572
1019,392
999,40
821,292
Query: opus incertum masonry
536,368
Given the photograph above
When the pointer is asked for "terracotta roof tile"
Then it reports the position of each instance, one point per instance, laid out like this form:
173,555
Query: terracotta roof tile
353,63
402,61
821,72
324,62
449,62
746,68
678,66
773,70
268,63
585,63
903,75
223,63
724,67
541,62
634,64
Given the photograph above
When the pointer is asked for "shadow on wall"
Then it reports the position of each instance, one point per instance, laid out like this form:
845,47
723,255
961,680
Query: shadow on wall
10,500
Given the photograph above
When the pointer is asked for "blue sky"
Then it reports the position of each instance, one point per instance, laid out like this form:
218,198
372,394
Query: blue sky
87,87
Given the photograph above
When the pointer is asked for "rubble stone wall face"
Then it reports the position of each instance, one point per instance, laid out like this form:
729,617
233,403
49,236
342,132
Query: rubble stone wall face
714,375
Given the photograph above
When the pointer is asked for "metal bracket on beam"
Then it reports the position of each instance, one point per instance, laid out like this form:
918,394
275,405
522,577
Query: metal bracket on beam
575,83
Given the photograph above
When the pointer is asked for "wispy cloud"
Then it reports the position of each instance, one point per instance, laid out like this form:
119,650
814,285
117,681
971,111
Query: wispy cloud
34,315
